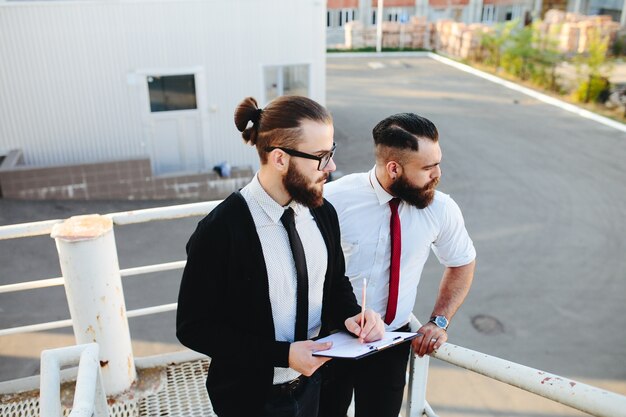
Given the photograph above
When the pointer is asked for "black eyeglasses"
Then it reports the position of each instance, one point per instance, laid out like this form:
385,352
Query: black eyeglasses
322,160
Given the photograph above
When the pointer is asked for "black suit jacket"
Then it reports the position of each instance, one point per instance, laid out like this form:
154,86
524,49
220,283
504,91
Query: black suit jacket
224,306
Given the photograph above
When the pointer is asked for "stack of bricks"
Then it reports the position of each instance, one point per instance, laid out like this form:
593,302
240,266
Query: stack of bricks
354,35
414,34
459,39
420,31
571,33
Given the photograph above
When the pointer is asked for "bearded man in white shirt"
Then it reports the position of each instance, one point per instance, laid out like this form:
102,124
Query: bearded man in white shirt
390,219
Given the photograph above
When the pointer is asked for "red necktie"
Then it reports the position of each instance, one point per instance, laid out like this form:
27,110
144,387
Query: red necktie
394,270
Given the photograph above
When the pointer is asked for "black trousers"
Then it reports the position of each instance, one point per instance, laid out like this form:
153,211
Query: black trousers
301,403
377,380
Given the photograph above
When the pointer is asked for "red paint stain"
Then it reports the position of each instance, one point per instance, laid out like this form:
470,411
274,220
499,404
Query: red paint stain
572,384
546,380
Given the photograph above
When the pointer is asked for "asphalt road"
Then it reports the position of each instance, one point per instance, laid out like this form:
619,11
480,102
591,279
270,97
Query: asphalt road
543,193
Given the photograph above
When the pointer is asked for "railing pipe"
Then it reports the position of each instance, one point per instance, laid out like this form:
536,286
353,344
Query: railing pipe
128,272
59,324
418,379
152,310
583,397
93,285
168,266
42,228
89,396
68,323
50,390
31,285
163,213
428,410
13,231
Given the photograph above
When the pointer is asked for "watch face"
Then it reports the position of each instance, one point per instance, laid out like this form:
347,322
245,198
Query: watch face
441,321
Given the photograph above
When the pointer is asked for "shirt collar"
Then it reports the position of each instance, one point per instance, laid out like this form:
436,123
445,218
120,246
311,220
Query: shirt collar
273,210
383,196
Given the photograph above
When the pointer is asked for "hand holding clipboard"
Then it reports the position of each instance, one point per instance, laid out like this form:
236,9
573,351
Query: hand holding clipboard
349,347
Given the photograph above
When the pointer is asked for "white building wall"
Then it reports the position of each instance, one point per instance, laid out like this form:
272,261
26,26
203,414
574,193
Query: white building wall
72,73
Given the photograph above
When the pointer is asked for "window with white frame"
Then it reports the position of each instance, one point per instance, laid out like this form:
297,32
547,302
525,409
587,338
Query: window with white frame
286,80
172,92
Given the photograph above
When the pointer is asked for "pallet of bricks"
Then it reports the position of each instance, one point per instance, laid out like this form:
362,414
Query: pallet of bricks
458,39
421,32
357,36
572,32
414,34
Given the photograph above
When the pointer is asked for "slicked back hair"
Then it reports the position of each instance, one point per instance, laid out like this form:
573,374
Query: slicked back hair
401,132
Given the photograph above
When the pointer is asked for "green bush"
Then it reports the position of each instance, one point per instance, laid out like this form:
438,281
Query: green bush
619,46
593,67
522,51
590,93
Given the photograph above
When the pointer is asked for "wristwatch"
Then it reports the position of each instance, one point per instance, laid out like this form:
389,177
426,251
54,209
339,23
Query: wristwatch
440,321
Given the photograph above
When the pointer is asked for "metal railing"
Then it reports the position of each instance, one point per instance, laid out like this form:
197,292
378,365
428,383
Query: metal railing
121,218
89,396
553,387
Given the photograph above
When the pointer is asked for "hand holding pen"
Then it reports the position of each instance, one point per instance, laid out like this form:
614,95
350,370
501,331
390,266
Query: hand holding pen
367,325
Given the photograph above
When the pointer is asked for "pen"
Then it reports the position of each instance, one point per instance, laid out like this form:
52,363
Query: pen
364,292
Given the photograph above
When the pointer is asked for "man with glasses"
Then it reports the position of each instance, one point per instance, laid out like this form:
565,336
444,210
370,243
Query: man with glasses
390,218
265,270
323,160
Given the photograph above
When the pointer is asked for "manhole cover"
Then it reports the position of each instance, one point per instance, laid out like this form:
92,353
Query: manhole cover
61,207
487,324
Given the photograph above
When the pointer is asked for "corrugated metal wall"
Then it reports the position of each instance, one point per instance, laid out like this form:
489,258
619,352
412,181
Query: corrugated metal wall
69,90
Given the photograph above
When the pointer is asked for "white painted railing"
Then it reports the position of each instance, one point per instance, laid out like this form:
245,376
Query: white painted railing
570,393
574,394
89,395
583,397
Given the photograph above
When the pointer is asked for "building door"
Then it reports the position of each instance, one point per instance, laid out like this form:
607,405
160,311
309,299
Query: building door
174,124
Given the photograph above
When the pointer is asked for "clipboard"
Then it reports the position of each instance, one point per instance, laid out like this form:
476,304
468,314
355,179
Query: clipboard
347,346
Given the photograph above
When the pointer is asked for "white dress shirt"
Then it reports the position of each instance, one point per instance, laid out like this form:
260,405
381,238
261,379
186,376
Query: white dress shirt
364,214
281,268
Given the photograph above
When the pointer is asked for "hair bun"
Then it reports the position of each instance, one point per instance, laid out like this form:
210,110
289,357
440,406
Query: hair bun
256,116
247,111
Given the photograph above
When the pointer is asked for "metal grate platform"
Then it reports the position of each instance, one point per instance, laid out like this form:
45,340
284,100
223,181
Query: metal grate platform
183,395
179,391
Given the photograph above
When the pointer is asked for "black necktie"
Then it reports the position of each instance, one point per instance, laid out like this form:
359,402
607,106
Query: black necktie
302,301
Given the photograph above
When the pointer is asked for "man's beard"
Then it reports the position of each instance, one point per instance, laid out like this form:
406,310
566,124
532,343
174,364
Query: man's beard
302,190
420,197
